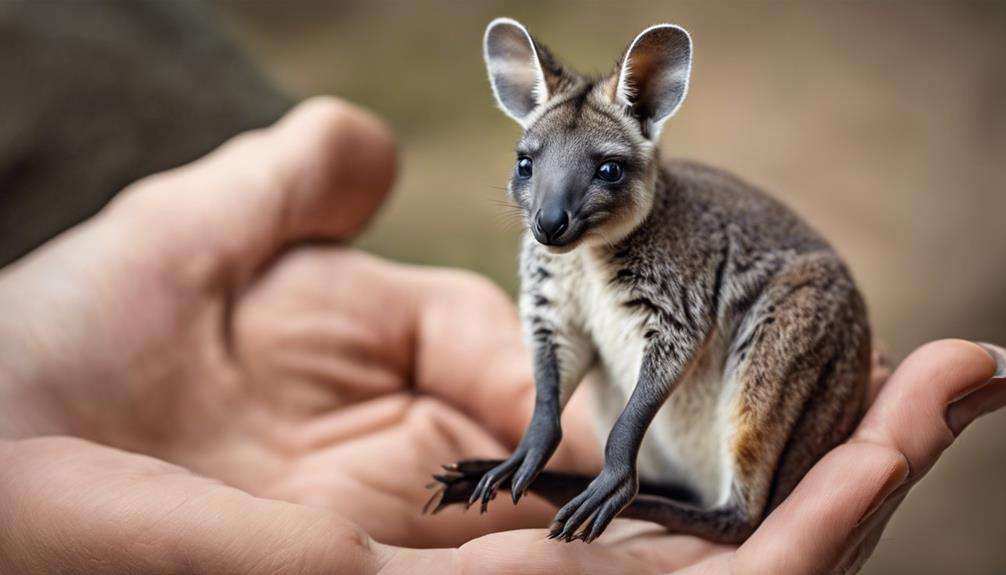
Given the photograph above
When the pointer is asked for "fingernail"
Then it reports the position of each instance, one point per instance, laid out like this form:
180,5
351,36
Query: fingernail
998,354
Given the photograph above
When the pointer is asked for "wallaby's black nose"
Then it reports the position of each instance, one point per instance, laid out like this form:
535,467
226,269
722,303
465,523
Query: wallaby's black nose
552,222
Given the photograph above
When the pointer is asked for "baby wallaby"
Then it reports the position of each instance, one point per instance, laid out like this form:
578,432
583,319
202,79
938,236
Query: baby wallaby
729,343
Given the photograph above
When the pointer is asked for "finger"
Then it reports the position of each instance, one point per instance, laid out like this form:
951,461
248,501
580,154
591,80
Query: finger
868,534
318,173
909,414
809,531
985,399
445,333
73,501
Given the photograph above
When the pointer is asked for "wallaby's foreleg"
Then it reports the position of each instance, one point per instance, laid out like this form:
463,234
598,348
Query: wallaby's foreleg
562,355
617,484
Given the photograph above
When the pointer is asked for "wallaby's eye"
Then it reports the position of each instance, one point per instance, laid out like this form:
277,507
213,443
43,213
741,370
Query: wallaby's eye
524,167
610,171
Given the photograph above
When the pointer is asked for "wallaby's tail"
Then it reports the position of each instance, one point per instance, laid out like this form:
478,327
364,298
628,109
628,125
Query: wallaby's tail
671,507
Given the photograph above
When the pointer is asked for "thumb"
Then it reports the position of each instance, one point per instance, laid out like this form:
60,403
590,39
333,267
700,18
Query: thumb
78,507
319,173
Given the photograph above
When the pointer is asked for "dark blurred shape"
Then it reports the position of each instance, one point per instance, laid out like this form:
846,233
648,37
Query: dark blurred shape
97,95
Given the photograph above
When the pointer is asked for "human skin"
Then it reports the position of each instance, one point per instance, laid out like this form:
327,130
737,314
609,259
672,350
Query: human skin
203,379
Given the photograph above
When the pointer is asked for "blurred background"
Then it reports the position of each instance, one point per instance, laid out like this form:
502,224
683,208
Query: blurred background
884,125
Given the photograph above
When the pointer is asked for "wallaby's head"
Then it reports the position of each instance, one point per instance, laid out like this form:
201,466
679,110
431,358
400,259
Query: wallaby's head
587,161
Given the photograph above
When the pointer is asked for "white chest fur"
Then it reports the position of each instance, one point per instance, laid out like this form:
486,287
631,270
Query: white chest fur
685,442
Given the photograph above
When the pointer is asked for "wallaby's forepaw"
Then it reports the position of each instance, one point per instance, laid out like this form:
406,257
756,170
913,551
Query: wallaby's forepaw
594,509
458,483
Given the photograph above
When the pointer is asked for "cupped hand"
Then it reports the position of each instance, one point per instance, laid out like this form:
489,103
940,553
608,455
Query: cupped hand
202,379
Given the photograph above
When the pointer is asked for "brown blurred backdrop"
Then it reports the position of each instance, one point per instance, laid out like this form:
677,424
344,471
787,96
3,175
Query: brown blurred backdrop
884,125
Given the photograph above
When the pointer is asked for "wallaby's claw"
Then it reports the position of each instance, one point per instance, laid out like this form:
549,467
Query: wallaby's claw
458,484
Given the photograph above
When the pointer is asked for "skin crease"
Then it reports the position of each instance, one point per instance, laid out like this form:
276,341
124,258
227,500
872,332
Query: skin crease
201,380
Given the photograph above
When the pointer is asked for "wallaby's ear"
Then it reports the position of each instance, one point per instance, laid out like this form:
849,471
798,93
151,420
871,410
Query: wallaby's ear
522,72
653,76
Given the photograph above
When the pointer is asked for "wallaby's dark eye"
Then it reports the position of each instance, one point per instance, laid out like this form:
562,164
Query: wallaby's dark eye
524,167
610,171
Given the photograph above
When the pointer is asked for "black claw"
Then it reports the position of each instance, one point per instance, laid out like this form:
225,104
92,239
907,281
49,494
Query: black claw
477,493
486,495
567,533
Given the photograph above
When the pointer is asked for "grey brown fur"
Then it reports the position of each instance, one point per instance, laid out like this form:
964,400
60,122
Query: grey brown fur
729,344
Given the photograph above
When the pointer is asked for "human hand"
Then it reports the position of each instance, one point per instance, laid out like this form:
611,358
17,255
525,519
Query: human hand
188,385
319,385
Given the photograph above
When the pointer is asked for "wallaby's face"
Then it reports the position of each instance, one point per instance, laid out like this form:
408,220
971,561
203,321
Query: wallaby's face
586,163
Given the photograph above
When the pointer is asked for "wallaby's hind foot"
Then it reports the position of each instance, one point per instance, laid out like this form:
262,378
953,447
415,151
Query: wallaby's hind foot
459,480
457,483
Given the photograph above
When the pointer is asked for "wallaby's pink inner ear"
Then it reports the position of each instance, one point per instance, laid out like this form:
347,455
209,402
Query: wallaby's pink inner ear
653,76
514,68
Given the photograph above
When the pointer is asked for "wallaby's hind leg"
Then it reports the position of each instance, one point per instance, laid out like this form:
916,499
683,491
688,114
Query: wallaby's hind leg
799,365
803,347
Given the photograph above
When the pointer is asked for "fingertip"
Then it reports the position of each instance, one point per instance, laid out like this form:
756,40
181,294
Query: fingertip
344,166
961,359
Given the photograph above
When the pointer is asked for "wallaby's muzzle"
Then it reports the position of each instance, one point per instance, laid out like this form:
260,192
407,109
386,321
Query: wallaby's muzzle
551,223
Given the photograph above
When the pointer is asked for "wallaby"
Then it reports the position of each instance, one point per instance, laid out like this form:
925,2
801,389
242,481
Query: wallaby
730,344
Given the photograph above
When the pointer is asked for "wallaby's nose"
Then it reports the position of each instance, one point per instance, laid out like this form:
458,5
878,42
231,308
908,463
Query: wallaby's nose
552,222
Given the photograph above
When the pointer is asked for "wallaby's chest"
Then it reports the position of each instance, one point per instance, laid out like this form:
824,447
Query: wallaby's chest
683,443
